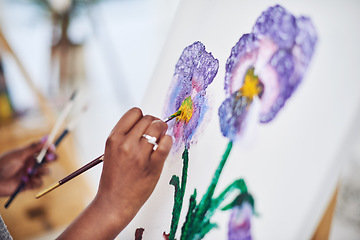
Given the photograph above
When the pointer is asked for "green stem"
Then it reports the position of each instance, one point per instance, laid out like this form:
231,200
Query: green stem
189,217
237,184
205,204
179,194
206,200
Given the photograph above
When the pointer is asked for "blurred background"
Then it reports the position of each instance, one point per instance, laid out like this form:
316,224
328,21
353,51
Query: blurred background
107,49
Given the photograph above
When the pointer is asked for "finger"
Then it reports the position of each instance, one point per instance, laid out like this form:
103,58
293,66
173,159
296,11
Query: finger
34,182
127,121
42,141
52,148
50,157
29,163
30,152
158,157
42,171
140,127
32,149
156,129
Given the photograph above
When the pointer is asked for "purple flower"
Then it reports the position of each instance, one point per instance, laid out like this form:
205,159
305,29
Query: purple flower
267,64
194,71
242,210
240,222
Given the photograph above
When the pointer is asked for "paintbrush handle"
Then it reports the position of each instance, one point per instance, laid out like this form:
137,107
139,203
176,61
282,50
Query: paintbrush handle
86,167
71,176
16,192
65,112
61,137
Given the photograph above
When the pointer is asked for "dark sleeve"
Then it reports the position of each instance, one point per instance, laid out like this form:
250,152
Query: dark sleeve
4,233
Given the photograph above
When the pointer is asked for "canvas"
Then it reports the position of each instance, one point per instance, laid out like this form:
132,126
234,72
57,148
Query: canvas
289,164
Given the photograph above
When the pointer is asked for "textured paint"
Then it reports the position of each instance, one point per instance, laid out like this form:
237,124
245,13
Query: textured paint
194,71
178,195
198,219
240,222
242,210
266,64
279,50
139,233
186,110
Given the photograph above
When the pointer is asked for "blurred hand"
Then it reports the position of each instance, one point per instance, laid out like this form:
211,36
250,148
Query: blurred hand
16,164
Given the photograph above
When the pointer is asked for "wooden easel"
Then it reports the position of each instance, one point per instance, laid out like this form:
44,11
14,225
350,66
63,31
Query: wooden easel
323,230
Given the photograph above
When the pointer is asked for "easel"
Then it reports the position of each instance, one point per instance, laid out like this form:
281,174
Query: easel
323,230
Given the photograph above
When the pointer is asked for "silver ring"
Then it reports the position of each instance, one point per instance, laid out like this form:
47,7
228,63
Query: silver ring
151,140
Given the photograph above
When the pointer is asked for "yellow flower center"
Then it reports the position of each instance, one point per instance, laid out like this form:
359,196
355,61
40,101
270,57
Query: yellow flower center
186,110
252,86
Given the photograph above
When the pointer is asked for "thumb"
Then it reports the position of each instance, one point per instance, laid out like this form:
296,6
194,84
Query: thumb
32,149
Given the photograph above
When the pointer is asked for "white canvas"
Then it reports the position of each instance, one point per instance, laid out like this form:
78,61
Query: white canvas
290,164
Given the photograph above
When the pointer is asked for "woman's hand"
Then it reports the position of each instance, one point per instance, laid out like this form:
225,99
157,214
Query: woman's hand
15,166
130,173
131,166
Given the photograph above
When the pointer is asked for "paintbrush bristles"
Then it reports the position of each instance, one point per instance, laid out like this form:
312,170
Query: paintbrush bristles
172,116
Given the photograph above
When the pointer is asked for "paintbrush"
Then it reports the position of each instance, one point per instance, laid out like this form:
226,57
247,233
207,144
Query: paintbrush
56,127
86,167
40,159
172,116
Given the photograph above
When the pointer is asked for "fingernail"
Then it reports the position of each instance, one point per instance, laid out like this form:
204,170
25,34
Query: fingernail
52,148
50,157
25,179
44,139
29,170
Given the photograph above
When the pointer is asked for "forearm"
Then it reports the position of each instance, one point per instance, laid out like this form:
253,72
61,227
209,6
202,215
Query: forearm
95,222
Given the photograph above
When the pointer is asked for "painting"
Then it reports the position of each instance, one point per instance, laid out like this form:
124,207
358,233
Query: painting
218,182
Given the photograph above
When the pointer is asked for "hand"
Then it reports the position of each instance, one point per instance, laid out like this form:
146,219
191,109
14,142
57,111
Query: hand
15,166
130,173
131,167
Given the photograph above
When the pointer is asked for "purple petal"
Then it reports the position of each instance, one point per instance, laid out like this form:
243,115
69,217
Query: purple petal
240,222
200,108
232,115
243,56
279,49
277,85
194,71
306,39
196,62
277,24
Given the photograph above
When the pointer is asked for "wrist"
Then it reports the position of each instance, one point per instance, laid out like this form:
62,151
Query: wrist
116,215
95,222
